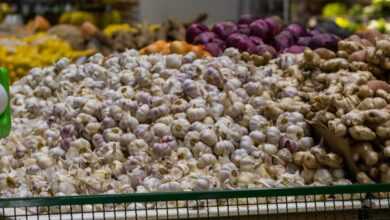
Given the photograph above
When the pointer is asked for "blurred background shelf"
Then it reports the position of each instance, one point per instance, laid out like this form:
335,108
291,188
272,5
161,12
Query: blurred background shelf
52,9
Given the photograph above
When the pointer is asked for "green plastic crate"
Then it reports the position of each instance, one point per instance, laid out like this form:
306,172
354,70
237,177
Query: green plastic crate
358,202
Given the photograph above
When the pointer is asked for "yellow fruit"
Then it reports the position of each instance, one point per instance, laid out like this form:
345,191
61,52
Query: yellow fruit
154,27
35,51
342,22
113,28
113,17
77,18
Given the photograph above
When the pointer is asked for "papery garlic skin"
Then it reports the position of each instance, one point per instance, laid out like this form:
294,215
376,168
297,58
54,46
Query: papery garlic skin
144,123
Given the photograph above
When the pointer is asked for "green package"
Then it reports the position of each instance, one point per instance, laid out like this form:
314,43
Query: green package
5,109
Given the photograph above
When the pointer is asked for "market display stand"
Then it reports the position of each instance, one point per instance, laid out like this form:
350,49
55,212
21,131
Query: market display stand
360,202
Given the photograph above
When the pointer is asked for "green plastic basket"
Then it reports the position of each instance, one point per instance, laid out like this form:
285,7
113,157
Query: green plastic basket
358,202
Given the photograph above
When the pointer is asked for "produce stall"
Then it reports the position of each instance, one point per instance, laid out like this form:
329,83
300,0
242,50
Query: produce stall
248,118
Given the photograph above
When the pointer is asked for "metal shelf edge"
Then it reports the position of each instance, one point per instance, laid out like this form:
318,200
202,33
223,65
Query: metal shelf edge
177,196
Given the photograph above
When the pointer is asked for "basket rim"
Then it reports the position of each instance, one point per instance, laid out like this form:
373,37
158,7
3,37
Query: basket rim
201,195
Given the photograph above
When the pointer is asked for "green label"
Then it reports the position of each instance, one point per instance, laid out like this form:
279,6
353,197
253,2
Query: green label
5,117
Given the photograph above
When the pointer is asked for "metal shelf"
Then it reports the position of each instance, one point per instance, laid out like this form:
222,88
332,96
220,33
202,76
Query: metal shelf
348,201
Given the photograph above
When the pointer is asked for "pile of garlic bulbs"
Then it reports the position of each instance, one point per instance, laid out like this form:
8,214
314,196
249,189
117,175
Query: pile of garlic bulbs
142,123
